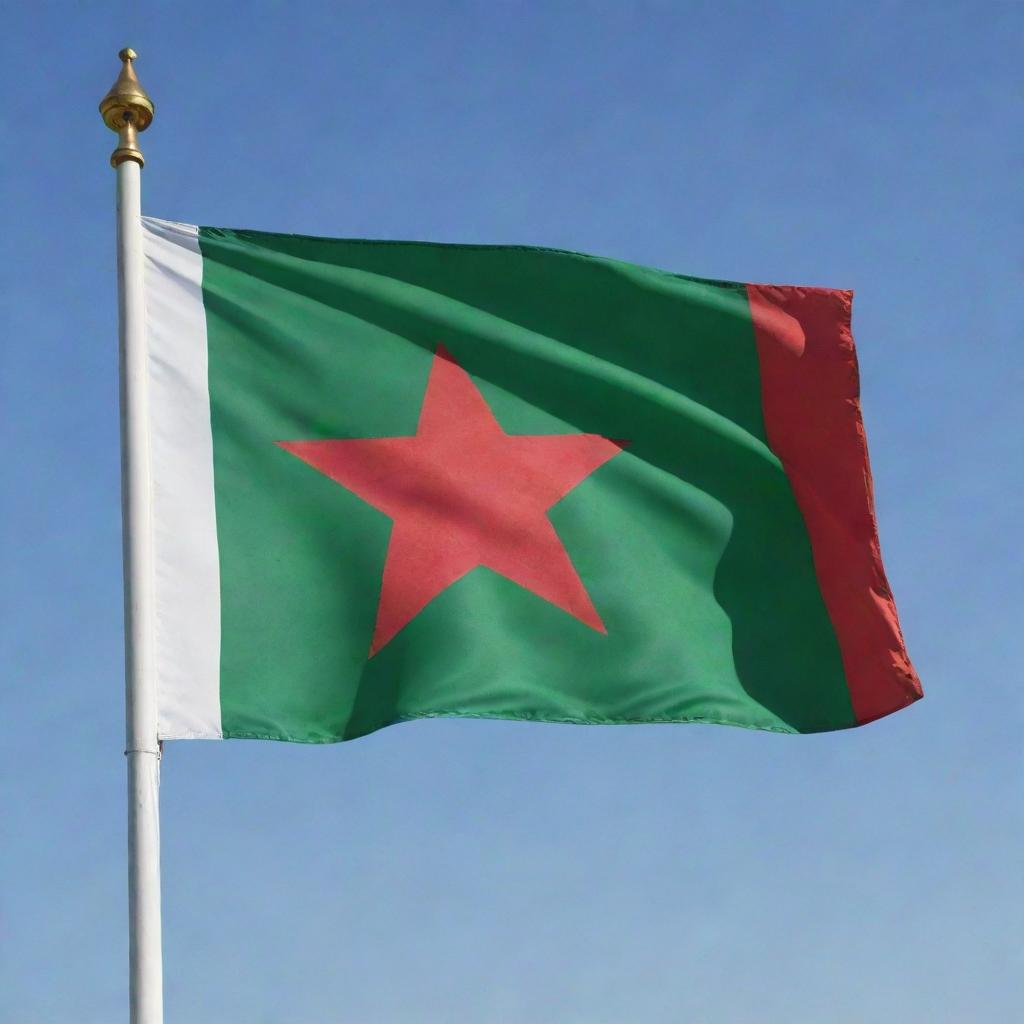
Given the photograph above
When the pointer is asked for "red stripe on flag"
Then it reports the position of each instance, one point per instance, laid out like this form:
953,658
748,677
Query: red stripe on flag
810,393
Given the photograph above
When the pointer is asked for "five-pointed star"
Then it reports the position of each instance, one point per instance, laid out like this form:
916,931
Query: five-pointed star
462,493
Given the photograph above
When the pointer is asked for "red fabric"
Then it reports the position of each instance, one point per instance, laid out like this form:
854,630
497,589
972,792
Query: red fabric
810,394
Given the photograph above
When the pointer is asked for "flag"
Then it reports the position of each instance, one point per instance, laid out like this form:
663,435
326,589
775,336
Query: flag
403,480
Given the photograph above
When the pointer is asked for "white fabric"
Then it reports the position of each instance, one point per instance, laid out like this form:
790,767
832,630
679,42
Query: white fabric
187,584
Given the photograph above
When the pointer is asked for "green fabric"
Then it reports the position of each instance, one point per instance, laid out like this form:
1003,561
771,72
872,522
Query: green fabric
689,543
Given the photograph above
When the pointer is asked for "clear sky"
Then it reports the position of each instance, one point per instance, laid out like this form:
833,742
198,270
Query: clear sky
454,871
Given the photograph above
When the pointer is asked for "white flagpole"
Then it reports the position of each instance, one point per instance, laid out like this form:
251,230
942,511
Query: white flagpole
128,110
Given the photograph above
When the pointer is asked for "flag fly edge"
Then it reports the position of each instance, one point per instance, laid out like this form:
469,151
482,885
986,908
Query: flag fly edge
187,567
811,400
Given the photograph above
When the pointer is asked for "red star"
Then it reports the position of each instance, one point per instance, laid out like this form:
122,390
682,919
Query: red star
463,493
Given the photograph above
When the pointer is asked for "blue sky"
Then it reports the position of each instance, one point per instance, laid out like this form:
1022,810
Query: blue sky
474,871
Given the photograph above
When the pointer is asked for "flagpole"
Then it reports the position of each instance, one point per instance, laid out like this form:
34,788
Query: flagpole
127,110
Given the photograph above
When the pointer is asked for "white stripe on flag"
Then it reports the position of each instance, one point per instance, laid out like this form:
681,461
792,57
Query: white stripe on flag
187,584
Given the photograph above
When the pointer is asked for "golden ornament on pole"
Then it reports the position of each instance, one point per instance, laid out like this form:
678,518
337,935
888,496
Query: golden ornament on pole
127,110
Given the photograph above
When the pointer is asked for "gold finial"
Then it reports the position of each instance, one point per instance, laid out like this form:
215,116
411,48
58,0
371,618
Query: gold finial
127,110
